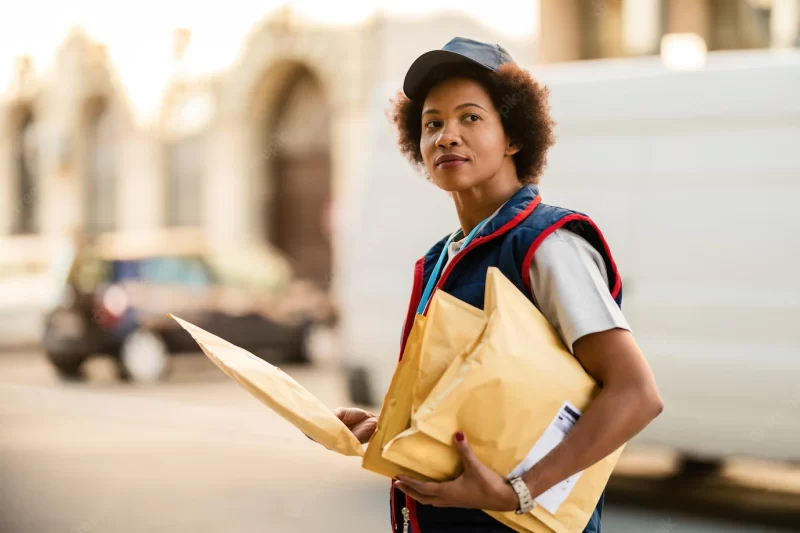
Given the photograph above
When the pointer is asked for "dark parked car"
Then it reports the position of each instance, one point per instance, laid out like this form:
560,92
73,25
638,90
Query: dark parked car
119,291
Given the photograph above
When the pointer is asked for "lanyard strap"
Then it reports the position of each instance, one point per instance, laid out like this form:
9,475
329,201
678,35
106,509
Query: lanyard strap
426,295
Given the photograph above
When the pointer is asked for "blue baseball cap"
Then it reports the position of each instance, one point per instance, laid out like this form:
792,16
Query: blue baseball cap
457,50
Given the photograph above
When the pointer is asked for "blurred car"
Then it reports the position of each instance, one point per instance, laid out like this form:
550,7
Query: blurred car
119,290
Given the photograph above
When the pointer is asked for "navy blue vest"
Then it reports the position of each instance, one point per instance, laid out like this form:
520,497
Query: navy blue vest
507,242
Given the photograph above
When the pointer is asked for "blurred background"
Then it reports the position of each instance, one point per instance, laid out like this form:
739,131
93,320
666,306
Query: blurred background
233,164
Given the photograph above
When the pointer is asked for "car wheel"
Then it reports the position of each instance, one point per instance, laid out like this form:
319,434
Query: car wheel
296,351
144,357
697,468
68,368
305,346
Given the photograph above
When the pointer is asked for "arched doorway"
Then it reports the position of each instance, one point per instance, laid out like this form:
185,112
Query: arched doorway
25,161
100,168
298,210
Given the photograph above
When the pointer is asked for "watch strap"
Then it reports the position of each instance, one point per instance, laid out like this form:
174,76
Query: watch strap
526,503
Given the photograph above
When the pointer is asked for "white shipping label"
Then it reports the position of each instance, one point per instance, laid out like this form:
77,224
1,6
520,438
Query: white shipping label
563,422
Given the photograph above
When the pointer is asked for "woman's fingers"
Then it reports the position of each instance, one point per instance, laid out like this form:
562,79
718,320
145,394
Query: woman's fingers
427,499
361,423
351,416
426,488
364,430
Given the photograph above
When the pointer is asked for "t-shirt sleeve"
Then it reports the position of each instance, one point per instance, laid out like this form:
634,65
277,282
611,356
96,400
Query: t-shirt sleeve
570,287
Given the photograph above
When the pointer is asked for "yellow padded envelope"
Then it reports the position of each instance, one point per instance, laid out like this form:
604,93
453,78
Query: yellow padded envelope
396,412
278,391
430,348
443,340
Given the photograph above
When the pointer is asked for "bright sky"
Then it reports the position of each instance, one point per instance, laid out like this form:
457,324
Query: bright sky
139,35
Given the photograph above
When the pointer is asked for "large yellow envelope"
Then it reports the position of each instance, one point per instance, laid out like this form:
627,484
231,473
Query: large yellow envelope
425,358
515,395
444,339
278,391
396,412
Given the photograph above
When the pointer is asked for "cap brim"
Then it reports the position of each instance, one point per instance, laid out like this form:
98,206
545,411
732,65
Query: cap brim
426,64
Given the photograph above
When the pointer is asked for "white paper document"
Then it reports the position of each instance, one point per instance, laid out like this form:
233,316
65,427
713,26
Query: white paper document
563,422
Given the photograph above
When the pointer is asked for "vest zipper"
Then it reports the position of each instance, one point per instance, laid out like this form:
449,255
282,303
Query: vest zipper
406,518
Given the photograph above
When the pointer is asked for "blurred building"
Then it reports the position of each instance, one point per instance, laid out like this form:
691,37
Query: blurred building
273,147
264,148
595,29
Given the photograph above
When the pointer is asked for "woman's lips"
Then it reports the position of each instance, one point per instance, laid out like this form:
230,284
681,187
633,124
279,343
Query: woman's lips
455,163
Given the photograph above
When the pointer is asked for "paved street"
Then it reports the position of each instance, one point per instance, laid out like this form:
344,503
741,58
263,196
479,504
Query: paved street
195,454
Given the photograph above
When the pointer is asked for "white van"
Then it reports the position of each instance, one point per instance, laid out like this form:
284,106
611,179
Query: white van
694,178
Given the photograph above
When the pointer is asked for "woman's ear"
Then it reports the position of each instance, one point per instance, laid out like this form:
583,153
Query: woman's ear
512,148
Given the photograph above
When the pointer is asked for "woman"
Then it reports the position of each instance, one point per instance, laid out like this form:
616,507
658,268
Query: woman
479,126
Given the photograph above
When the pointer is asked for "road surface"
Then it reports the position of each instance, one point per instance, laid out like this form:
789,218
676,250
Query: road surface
198,454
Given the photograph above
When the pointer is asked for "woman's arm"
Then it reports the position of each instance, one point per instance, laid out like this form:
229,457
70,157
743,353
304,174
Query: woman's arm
628,401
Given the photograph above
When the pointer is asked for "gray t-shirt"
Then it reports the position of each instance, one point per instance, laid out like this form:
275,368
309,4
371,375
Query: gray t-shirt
570,286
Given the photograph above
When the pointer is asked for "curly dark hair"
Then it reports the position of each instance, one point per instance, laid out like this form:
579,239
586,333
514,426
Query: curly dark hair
521,101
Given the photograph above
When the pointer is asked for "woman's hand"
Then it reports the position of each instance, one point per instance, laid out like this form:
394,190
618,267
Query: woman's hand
361,423
478,486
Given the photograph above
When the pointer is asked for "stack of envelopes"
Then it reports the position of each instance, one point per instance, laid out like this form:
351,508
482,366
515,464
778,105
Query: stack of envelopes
500,375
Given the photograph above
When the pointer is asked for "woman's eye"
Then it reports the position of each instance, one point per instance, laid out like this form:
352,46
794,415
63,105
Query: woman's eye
473,117
432,124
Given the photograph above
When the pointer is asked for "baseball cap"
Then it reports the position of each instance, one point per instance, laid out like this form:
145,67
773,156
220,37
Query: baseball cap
457,50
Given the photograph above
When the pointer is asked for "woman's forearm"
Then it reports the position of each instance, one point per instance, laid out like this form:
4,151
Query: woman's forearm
615,416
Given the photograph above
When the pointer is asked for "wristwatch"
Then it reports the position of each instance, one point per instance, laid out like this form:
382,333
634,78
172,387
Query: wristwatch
526,503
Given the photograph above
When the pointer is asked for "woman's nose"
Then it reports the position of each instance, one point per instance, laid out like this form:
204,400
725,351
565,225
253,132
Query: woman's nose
449,137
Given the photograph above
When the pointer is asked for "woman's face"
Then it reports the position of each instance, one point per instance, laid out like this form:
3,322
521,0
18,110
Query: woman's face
463,143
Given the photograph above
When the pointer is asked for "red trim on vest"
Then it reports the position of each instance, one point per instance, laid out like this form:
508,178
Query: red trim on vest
416,295
505,228
526,263
394,513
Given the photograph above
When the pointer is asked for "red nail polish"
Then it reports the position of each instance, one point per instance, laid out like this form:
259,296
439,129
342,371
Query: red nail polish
459,436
